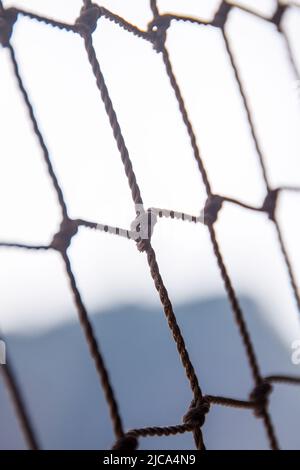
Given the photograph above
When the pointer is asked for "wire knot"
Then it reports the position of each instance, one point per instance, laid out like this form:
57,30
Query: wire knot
126,443
195,417
62,239
7,20
260,395
158,31
269,204
87,21
221,15
211,209
142,227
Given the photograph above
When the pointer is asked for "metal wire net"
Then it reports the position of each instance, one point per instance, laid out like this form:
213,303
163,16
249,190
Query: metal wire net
142,228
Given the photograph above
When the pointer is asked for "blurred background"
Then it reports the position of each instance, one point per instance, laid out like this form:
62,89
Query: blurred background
38,318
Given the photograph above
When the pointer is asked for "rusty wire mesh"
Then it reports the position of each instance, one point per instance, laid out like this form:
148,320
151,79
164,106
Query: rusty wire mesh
200,404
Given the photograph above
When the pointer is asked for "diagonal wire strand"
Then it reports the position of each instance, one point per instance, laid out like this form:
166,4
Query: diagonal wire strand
20,407
137,199
38,133
94,349
263,167
238,314
83,316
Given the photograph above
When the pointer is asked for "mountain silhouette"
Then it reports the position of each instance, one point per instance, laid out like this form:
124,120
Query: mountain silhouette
67,405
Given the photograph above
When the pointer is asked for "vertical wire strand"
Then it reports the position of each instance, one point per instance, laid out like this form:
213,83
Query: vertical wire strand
136,196
134,187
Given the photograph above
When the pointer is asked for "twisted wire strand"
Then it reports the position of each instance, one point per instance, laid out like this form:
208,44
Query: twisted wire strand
186,19
136,195
122,23
94,350
137,199
7,371
246,108
48,21
160,430
154,9
269,427
251,12
284,379
186,120
263,167
238,314
19,405
239,318
286,40
38,133
231,402
288,264
292,189
161,213
265,414
229,288
24,246
158,212
83,315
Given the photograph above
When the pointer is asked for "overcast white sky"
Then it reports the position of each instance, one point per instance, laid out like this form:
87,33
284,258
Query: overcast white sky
34,292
